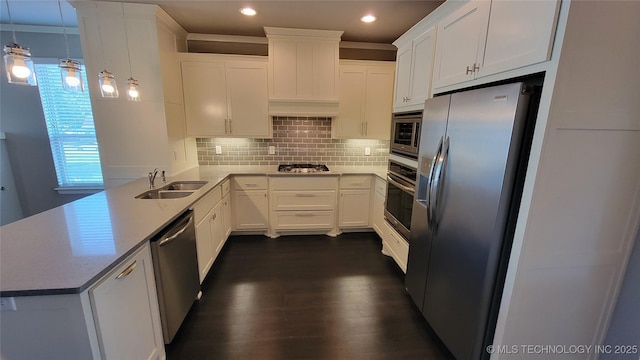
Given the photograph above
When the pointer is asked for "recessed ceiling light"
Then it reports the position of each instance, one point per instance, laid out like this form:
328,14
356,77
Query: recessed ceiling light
368,18
248,11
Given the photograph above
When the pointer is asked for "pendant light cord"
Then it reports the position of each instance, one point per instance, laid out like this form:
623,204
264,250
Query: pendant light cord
104,62
126,37
13,30
64,30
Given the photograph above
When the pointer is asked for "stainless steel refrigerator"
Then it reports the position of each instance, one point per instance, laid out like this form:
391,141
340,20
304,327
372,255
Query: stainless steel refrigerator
471,162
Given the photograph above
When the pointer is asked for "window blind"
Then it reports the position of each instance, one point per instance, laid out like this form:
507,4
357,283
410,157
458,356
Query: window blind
71,129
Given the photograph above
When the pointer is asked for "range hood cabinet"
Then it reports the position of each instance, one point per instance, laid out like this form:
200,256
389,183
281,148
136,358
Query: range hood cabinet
303,71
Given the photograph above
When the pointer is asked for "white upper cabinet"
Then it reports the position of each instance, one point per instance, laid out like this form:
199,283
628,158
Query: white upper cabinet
225,97
303,64
460,45
520,33
414,65
247,99
483,38
365,100
303,71
205,98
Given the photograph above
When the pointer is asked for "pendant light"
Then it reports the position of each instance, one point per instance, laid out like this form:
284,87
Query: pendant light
133,91
70,70
17,60
106,79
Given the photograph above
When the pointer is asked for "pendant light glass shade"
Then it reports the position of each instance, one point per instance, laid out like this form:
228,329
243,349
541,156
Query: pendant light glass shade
133,93
108,87
71,73
19,66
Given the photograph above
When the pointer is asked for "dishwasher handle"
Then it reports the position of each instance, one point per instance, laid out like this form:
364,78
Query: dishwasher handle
169,239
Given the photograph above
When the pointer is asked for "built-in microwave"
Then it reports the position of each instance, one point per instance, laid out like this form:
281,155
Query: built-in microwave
405,133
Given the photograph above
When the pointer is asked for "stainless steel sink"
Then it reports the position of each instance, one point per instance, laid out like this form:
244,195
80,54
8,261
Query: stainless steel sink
184,185
163,194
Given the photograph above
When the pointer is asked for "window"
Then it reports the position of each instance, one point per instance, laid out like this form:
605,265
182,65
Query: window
72,133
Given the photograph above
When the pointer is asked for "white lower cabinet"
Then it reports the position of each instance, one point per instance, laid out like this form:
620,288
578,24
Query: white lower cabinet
217,229
207,215
125,311
250,203
303,203
227,220
354,202
304,220
115,318
379,197
395,246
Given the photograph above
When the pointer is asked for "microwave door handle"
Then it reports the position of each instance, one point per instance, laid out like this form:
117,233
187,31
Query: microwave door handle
401,186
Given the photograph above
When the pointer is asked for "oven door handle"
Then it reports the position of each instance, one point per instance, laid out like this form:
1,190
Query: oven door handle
405,188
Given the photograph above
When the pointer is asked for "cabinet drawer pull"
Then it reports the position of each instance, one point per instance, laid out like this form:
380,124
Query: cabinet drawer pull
305,215
475,67
128,270
304,195
469,71
251,185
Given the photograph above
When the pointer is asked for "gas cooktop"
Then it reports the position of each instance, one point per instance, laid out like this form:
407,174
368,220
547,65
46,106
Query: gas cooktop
302,168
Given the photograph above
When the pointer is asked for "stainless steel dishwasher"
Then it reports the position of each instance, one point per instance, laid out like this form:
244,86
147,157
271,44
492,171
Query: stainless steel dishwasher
175,264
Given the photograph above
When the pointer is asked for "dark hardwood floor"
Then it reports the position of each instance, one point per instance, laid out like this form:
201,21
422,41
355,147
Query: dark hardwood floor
305,297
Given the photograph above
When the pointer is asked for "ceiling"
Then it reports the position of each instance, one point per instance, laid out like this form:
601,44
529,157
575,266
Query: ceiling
394,17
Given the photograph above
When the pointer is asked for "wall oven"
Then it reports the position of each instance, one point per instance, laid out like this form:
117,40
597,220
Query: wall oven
401,182
405,133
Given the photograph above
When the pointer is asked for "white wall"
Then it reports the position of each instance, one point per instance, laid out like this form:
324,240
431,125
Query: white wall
22,120
625,324
135,137
582,198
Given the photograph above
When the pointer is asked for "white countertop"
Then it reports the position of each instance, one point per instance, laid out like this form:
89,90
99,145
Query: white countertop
66,249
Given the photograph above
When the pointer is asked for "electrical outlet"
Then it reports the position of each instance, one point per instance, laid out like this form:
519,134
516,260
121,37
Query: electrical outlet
367,151
272,150
218,149
7,304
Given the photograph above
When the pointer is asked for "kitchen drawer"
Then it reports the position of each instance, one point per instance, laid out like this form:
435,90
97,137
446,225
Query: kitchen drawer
303,200
226,187
355,182
381,186
399,247
303,182
303,220
249,182
206,203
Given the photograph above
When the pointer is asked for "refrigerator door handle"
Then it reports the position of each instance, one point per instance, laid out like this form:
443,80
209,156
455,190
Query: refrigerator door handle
435,190
430,182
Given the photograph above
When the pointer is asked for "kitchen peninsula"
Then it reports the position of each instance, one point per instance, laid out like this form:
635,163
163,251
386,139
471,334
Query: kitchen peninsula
50,262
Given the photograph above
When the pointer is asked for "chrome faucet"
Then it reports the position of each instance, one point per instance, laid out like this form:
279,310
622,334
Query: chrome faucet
152,177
